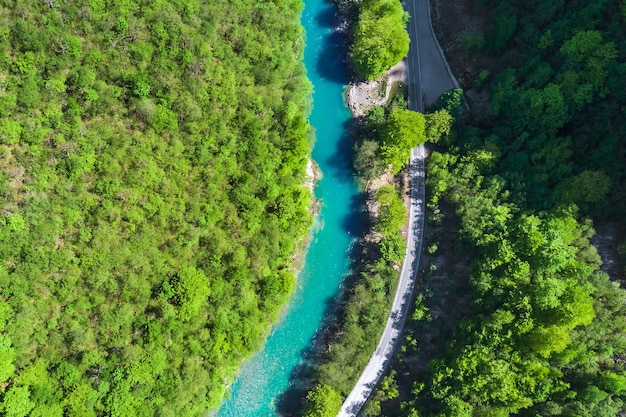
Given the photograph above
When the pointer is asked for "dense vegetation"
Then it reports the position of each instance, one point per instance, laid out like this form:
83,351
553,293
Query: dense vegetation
380,37
152,156
546,330
556,115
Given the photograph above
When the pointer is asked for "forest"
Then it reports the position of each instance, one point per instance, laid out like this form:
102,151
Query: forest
539,328
152,161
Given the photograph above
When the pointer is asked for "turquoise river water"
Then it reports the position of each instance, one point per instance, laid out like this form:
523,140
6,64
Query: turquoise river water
268,374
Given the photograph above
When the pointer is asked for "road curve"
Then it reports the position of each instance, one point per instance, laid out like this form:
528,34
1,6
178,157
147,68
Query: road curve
395,321
428,76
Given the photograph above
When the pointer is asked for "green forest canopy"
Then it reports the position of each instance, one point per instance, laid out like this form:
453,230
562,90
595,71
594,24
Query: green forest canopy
380,37
151,162
545,335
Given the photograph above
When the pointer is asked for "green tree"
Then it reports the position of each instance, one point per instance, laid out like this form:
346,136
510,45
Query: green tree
502,29
371,408
322,401
16,402
546,110
438,125
548,340
455,406
451,100
191,290
373,54
7,358
404,130
367,162
391,211
586,187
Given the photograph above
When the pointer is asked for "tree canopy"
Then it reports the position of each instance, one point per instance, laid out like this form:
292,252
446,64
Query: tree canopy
151,171
403,130
323,401
522,180
380,37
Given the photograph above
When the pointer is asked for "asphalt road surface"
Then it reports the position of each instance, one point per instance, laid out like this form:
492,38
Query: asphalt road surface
427,67
428,76
404,293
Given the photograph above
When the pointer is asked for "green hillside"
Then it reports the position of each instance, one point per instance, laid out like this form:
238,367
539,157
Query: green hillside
521,320
152,156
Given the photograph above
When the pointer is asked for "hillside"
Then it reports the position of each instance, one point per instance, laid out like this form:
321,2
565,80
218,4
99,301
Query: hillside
152,156
516,316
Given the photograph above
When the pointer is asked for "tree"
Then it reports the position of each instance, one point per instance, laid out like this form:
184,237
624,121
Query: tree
7,357
371,408
322,401
438,125
404,130
586,187
191,289
391,211
451,100
392,248
367,162
585,70
16,402
380,37
544,111
548,340
454,406
502,30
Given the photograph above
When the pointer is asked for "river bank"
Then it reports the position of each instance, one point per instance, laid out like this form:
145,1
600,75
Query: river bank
350,337
266,385
362,96
375,107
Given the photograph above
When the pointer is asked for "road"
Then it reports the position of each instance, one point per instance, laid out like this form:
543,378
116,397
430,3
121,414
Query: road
428,76
427,67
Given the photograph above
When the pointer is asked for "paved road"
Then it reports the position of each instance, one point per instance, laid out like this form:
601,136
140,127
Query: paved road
427,67
401,303
428,77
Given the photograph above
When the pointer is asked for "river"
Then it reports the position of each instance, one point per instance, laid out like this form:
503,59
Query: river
267,375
